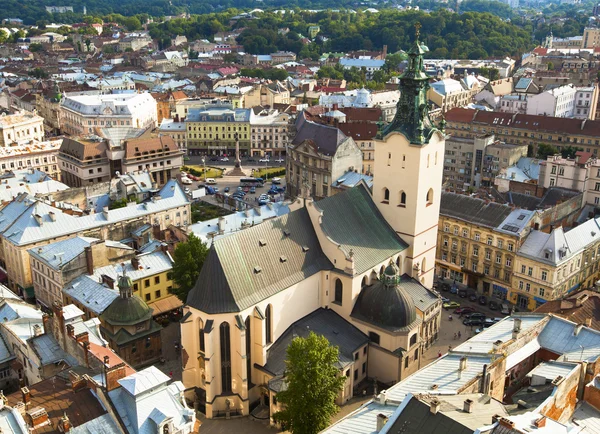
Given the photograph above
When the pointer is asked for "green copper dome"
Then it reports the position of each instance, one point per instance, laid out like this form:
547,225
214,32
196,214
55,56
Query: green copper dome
127,311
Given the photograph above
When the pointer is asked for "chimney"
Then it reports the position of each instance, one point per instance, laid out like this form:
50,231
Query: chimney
434,406
135,263
578,328
89,260
384,55
462,363
36,417
64,424
52,216
77,381
516,327
113,375
105,212
45,323
109,281
221,225
25,396
37,330
588,322
506,423
496,418
468,406
82,337
70,330
38,219
541,422
381,421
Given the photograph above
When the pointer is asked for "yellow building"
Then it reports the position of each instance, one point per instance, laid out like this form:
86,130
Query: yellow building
551,265
215,128
478,241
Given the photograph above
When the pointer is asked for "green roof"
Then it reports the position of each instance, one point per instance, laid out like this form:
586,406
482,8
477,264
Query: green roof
126,311
352,220
123,337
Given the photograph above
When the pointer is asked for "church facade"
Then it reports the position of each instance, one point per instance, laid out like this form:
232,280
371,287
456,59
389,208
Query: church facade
360,261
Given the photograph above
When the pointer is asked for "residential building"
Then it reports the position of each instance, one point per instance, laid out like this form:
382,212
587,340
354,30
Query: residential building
21,129
266,95
493,91
294,266
513,103
586,102
566,172
175,129
369,65
525,129
160,156
166,102
56,264
214,129
85,114
386,100
318,156
478,241
269,133
38,156
283,57
550,265
170,206
557,102
364,134
128,327
577,306
449,93
591,37
134,43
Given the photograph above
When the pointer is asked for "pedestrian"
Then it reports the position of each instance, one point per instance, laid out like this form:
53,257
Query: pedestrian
171,374
454,336
459,334
449,348
439,354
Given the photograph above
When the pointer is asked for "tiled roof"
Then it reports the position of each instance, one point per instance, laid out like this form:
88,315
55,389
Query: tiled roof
473,210
365,232
84,149
152,146
359,130
325,137
578,307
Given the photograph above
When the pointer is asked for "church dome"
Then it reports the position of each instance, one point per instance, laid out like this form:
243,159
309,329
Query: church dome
126,311
386,303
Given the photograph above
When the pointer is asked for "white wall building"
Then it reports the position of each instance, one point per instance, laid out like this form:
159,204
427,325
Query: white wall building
82,114
20,128
558,102
269,133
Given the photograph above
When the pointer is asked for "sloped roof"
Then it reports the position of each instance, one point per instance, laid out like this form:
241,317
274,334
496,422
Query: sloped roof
365,232
327,138
587,308
143,381
251,265
474,210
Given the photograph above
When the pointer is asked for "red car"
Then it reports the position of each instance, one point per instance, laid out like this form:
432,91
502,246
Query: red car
465,310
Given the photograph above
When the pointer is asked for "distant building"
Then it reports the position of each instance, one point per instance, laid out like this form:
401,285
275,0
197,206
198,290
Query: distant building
269,133
59,9
21,128
41,156
369,65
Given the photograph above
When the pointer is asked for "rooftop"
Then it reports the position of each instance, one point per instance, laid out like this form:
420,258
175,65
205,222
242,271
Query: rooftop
23,117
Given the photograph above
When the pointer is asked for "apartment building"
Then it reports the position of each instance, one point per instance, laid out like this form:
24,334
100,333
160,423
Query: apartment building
84,114
55,265
558,102
591,37
42,156
84,161
269,133
158,155
266,95
586,102
478,241
175,129
525,129
449,93
475,162
20,128
214,129
550,265
26,223
134,43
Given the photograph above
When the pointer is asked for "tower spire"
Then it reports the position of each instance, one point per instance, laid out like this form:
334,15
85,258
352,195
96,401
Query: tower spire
412,110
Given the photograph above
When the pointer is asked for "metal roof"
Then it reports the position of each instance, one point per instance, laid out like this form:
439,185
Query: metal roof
363,420
552,369
559,337
473,210
246,267
60,253
150,264
88,291
364,231
101,425
143,381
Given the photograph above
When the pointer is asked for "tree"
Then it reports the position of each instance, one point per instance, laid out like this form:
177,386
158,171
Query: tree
313,384
491,73
544,150
569,151
35,47
188,259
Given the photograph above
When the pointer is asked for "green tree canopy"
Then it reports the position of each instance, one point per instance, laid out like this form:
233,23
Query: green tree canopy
544,150
188,259
569,151
313,384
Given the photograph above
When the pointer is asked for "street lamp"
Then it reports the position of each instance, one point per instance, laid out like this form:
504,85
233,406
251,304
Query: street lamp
204,164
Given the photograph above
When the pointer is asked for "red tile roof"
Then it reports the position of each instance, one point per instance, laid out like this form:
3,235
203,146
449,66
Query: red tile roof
113,359
579,307
359,130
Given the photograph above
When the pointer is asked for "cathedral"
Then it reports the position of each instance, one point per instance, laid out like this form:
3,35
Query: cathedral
355,267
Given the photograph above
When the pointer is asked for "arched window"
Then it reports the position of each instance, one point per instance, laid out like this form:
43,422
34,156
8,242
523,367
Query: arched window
364,282
386,195
417,354
268,325
373,276
424,265
430,196
413,339
248,352
402,199
225,357
201,335
339,291
381,270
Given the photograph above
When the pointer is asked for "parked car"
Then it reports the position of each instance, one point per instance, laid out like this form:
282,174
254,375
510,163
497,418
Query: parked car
263,160
279,160
474,315
462,293
224,159
185,180
483,300
473,296
494,305
214,159
473,322
252,190
276,180
445,300
226,189
187,190
211,181
445,286
505,309
451,305
453,289
465,310
253,160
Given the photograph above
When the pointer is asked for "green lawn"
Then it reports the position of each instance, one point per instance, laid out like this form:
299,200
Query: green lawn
202,211
272,172
211,172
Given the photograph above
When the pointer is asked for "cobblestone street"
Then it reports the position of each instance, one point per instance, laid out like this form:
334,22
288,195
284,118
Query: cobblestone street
172,365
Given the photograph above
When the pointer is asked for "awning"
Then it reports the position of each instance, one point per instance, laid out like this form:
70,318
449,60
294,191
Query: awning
500,288
165,305
522,353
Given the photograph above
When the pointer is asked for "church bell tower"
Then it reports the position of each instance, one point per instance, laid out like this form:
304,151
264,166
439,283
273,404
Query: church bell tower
409,161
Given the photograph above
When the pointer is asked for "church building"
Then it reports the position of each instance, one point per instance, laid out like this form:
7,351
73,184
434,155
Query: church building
355,267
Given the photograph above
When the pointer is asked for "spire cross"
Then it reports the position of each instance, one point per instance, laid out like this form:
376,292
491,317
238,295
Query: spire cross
417,29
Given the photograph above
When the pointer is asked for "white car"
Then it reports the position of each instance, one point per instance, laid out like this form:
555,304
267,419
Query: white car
279,160
185,180
263,160
187,190
224,159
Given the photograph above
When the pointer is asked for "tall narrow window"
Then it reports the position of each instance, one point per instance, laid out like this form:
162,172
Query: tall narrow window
339,291
402,199
201,336
225,358
248,352
268,319
430,196
386,195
